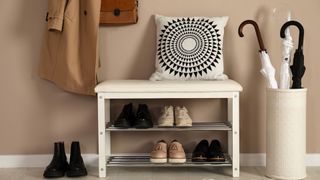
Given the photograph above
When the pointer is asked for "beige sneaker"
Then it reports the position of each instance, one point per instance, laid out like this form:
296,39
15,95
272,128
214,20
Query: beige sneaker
167,118
182,118
159,152
176,153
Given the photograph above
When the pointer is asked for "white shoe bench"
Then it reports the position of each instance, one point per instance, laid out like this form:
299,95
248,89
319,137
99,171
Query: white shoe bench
145,89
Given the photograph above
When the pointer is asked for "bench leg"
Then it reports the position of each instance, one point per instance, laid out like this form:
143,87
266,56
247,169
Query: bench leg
101,136
233,136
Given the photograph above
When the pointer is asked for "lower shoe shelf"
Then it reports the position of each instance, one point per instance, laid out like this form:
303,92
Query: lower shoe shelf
144,161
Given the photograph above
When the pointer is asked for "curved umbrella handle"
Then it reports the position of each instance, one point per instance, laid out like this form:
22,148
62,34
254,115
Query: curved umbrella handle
301,31
256,27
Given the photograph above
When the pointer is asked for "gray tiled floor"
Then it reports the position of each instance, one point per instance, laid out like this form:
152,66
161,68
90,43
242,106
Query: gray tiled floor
247,173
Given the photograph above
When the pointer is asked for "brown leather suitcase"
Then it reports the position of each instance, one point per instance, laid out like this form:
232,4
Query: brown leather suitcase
118,12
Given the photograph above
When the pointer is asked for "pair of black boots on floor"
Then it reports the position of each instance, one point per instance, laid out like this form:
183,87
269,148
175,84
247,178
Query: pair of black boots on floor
127,119
59,166
203,152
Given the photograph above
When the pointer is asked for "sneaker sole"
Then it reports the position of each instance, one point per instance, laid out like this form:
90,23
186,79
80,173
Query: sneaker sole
142,125
199,159
158,160
121,125
165,125
216,159
184,125
177,160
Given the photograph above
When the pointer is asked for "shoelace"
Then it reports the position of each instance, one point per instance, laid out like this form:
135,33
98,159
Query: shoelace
174,147
166,110
167,113
182,112
157,147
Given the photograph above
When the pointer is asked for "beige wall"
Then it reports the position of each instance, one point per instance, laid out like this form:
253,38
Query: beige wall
34,113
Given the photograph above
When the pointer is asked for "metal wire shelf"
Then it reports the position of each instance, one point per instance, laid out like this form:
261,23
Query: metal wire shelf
144,161
196,126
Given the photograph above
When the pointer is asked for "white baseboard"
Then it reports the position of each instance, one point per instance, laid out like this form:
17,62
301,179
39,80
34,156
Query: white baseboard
19,161
253,159
257,159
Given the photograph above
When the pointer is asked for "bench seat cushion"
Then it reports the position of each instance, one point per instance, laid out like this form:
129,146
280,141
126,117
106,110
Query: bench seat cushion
116,86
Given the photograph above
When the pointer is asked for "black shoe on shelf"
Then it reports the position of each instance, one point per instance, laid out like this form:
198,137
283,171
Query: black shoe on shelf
200,152
126,117
215,152
58,165
77,167
143,118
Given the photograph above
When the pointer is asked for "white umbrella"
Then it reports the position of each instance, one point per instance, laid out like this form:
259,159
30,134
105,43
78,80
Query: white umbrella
267,70
285,67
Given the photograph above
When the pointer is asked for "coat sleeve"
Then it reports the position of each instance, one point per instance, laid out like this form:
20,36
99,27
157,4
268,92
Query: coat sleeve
55,15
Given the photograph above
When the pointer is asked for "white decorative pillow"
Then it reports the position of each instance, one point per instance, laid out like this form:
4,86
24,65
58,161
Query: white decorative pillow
189,48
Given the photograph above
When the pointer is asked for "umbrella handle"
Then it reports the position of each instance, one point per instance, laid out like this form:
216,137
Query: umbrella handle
256,27
301,31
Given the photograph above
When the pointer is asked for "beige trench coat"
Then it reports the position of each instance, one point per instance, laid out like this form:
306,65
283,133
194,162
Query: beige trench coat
70,52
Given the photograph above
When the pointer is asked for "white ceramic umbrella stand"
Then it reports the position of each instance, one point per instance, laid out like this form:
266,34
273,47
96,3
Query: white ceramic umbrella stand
286,133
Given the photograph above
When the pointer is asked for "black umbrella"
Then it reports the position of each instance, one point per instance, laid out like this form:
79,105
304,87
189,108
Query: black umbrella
297,68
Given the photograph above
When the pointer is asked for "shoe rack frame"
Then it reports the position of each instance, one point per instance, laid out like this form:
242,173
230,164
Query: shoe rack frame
105,129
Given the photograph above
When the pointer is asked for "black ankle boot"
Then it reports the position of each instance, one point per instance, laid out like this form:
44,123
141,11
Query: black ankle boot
58,165
143,117
77,167
126,117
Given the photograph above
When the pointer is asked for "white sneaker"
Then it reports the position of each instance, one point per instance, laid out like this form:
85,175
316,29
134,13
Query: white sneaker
182,118
167,118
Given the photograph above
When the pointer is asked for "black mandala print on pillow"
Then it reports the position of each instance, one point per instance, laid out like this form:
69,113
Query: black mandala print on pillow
189,47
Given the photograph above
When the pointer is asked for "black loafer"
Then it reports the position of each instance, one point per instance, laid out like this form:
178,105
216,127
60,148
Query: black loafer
143,118
200,152
215,152
126,117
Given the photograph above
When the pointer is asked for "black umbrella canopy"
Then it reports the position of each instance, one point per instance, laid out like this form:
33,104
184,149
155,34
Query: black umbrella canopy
297,68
